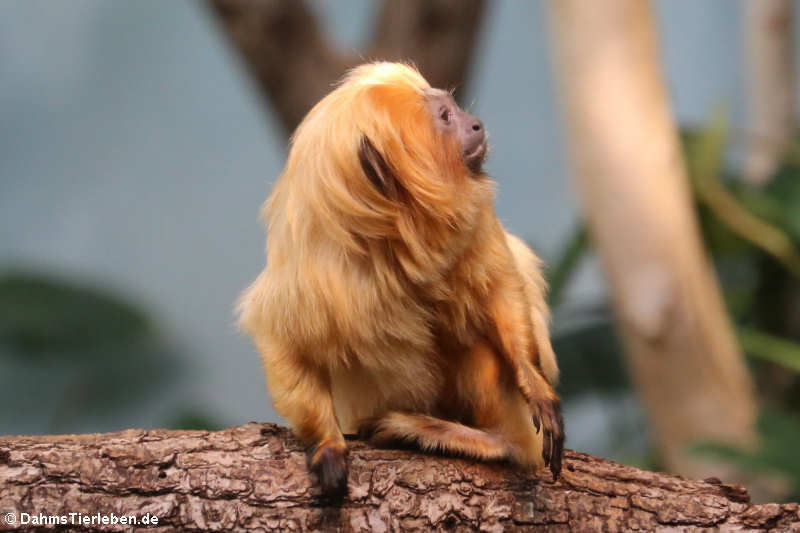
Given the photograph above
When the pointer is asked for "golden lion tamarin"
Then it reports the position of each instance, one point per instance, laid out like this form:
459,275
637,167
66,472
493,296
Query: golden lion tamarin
393,302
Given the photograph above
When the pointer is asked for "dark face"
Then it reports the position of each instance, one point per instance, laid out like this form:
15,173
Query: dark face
451,119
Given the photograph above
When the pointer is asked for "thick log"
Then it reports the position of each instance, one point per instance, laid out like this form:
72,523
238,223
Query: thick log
254,478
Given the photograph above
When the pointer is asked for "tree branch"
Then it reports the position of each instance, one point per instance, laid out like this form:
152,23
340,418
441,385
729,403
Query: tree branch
438,36
295,65
285,49
254,477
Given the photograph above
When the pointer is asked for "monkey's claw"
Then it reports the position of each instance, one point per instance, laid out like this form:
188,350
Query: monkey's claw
547,416
330,465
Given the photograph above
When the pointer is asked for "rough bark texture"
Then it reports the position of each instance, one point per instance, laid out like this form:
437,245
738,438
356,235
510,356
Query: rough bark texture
254,478
632,183
769,50
295,65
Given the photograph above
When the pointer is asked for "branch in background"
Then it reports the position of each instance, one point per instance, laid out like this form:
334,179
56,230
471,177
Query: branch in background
254,477
284,48
769,46
295,64
438,36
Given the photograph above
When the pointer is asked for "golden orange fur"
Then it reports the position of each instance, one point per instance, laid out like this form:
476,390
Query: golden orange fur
407,310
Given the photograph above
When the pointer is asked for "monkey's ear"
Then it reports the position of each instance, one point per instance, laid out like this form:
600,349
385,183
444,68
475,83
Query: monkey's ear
377,169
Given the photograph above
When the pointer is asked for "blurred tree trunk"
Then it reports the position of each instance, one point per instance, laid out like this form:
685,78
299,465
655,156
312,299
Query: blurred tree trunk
769,52
633,186
295,64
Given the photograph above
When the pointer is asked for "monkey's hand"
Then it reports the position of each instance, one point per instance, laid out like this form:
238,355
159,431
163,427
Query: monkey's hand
546,414
545,408
329,461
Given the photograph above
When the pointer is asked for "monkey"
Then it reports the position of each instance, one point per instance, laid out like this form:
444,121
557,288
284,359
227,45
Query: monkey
393,303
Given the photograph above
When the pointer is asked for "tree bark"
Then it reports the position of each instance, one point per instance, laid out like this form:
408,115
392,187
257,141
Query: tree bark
769,54
632,183
254,477
295,65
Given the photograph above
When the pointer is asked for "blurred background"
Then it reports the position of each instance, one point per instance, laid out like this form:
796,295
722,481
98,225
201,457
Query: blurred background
138,140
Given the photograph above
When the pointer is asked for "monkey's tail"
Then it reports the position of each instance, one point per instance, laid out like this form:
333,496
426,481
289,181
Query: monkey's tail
434,435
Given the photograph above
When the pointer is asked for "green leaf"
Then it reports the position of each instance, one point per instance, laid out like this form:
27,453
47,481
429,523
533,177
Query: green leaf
86,353
589,357
44,317
194,419
567,263
770,348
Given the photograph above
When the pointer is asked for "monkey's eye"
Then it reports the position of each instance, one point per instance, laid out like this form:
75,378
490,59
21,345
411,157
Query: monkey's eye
444,114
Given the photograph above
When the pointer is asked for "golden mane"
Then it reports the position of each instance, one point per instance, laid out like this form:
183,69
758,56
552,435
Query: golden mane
333,218
324,187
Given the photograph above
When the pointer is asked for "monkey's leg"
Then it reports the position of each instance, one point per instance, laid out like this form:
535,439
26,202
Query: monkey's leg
512,337
482,388
486,384
434,435
301,392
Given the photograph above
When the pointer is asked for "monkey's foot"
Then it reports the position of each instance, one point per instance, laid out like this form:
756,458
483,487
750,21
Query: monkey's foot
329,462
546,414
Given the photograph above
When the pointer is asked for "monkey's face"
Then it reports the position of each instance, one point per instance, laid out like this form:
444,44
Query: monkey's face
450,119
385,155
417,143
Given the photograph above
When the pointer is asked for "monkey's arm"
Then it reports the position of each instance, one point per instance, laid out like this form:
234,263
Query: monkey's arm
514,339
301,392
535,289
